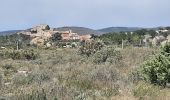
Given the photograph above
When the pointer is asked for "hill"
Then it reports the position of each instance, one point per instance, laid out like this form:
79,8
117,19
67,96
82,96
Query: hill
79,30
9,32
84,30
119,29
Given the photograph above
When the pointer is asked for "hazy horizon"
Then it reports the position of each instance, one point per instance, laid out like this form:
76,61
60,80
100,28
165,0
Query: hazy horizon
95,14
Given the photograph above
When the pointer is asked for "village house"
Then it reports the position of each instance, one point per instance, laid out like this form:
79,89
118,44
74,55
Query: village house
161,30
69,35
85,37
41,33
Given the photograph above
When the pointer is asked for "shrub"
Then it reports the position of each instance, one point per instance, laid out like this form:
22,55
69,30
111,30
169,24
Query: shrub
90,47
7,66
1,80
157,69
112,91
35,95
135,75
19,54
30,54
106,75
144,89
36,77
56,37
107,54
80,84
19,80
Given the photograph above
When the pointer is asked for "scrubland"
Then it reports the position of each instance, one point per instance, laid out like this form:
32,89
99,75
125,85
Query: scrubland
64,74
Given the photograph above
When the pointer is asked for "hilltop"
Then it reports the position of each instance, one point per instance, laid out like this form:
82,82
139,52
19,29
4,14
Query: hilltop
84,30
79,30
119,29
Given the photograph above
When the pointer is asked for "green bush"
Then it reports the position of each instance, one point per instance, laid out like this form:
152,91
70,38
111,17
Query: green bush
107,54
157,69
90,47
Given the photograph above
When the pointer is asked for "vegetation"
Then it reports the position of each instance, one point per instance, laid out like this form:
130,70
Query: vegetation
90,47
11,41
56,37
62,73
90,70
157,69
130,38
107,54
28,54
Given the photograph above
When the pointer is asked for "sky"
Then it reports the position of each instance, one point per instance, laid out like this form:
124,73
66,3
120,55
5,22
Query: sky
95,14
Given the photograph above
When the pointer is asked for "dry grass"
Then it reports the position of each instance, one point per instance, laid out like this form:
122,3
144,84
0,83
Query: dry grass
65,75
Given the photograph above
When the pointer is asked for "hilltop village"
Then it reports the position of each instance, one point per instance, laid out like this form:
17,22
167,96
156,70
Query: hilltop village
41,34
44,36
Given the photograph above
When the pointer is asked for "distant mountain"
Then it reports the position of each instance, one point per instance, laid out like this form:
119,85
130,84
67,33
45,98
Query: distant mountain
83,30
9,32
119,29
79,30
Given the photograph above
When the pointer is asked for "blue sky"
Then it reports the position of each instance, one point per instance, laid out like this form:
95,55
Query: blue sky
96,14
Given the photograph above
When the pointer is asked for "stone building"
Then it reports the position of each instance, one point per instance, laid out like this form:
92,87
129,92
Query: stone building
40,34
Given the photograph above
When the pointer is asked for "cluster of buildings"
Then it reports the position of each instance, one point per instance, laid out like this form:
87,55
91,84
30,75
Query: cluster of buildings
42,33
156,41
69,35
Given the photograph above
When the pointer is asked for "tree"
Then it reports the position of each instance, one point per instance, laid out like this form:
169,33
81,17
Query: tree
56,37
141,32
152,33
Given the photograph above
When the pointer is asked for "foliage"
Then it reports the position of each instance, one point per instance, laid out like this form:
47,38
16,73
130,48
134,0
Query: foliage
144,89
80,84
1,80
132,38
135,76
35,95
12,40
65,75
56,37
113,91
36,77
28,54
107,54
157,69
90,47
